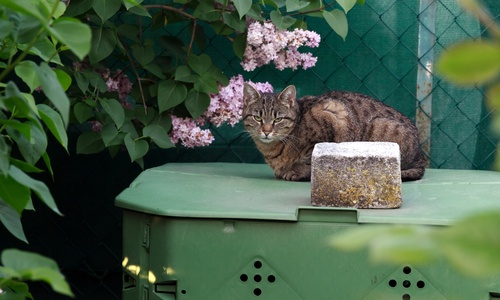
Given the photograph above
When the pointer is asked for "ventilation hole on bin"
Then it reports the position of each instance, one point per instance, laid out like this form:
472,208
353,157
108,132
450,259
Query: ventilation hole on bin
406,283
271,278
244,277
257,264
406,297
183,292
393,283
407,270
257,292
420,284
257,278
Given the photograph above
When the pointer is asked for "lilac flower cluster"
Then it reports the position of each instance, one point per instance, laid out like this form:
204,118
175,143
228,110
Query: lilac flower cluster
189,133
266,43
118,82
225,107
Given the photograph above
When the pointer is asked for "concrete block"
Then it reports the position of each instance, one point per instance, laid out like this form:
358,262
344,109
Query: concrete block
356,174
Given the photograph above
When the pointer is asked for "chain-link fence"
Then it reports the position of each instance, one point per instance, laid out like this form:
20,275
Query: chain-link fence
389,54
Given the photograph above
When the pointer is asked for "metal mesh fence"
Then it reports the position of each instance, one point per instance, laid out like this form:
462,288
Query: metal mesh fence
389,54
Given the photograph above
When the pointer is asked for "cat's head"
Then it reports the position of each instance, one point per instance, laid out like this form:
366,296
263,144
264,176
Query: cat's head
269,117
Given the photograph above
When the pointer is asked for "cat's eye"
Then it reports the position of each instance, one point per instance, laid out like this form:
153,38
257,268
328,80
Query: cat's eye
277,120
257,118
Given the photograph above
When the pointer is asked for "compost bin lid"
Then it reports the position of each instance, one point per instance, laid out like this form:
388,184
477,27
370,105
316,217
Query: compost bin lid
250,191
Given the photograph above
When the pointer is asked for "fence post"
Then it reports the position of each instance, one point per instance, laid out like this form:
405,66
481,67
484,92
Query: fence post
426,42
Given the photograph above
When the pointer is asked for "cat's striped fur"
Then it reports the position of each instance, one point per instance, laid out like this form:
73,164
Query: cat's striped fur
285,129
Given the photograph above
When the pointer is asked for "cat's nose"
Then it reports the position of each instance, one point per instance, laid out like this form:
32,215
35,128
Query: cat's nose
267,129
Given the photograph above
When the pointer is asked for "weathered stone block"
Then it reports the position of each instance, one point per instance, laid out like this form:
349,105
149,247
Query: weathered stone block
356,174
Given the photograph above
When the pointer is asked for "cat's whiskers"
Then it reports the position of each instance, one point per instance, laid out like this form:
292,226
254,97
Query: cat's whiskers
289,141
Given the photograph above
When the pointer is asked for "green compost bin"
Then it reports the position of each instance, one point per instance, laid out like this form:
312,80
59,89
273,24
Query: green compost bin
215,231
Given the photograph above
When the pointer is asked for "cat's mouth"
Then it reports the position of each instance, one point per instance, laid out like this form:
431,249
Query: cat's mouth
266,139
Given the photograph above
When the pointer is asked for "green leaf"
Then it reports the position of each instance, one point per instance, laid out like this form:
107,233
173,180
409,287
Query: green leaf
18,290
46,160
136,148
337,21
155,69
206,11
197,103
81,81
140,10
159,136
206,84
44,49
111,136
38,187
294,5
281,22
131,3
16,103
219,76
144,53
103,44
242,6
82,112
276,3
4,157
233,21
170,94
26,70
106,9
78,7
14,193
239,45
33,149
34,266
471,62
145,117
493,102
63,78
361,2
54,278
53,90
473,244
6,27
30,8
347,5
115,110
89,143
12,221
183,73
95,80
24,166
199,64
23,128
54,123
74,34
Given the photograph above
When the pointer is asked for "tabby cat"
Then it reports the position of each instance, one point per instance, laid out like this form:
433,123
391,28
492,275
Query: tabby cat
285,129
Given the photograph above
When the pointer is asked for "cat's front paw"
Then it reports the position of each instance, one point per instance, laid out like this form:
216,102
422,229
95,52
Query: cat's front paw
295,176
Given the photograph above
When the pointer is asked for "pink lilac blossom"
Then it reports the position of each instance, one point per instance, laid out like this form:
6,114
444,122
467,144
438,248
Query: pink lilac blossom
189,134
266,44
119,82
225,107
96,126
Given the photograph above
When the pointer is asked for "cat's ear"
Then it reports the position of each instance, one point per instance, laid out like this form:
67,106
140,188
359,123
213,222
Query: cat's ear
288,96
250,94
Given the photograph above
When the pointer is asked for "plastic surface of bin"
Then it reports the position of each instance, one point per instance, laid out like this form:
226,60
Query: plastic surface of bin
233,231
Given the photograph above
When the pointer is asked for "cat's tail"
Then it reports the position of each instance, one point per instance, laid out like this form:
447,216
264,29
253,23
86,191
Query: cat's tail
412,174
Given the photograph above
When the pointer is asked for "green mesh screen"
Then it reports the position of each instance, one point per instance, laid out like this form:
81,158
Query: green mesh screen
380,57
